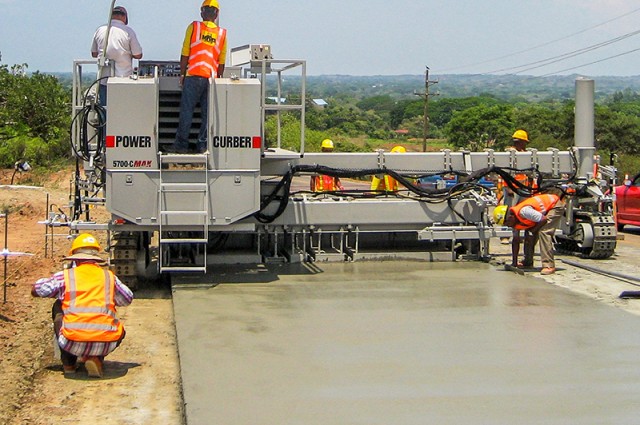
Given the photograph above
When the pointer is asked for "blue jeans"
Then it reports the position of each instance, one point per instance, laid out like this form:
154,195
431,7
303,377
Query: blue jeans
194,90
102,94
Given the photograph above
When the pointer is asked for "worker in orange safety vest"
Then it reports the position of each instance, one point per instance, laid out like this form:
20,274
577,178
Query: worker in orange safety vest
506,196
540,216
321,182
203,56
84,314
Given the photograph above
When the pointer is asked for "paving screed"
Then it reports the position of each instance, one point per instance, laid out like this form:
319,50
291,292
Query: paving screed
400,342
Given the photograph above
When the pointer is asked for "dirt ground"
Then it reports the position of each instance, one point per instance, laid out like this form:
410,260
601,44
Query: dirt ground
142,380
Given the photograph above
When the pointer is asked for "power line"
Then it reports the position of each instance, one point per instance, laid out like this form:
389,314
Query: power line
555,59
543,44
590,63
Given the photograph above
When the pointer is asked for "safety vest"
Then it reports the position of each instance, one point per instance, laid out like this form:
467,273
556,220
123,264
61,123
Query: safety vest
324,183
541,203
387,183
204,53
522,178
89,307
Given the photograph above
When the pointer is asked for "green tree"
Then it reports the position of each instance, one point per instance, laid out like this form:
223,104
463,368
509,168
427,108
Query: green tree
480,127
34,118
617,132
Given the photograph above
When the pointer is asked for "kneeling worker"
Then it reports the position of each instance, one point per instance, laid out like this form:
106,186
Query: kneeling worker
540,216
84,314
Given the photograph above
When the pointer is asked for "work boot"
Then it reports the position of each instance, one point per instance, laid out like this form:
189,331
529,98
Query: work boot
548,270
69,369
175,149
94,366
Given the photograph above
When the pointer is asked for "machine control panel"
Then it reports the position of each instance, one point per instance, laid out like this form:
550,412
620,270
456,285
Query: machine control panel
165,68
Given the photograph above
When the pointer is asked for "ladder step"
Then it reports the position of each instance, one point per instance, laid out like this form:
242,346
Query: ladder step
169,213
202,269
184,190
183,240
184,186
186,158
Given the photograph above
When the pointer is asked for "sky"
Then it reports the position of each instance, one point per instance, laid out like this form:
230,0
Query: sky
352,37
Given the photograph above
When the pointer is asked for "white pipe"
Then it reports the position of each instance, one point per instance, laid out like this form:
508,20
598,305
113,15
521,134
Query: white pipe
584,134
103,56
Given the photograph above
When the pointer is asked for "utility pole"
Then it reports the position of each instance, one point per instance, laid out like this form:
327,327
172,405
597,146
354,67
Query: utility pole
425,95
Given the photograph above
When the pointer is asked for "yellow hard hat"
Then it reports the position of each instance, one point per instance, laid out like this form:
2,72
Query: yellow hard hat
86,241
327,144
399,149
499,213
210,3
521,134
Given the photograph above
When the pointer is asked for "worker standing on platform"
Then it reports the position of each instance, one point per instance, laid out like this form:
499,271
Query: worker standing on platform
204,53
384,182
84,314
539,215
123,46
324,183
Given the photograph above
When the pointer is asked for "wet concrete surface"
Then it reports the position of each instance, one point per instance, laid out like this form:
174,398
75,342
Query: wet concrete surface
401,343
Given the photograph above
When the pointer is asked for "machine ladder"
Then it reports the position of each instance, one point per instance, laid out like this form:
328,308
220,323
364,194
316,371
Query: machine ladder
183,202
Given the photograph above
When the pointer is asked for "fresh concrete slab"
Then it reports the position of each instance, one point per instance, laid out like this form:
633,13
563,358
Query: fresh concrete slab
401,343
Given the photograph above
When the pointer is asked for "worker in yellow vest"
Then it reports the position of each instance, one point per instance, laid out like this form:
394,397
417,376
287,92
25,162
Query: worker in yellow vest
324,183
385,182
84,313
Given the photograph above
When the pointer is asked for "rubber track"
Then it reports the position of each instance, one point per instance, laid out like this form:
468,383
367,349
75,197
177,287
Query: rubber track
604,237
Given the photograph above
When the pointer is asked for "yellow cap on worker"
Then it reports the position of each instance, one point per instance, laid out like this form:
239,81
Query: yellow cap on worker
210,3
521,134
327,144
84,240
499,213
399,149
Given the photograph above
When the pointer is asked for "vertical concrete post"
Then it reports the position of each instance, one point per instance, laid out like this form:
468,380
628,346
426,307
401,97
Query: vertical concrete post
584,127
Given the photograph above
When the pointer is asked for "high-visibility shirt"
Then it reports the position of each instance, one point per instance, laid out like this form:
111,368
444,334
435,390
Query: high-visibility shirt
88,305
206,49
541,203
324,183
522,178
386,183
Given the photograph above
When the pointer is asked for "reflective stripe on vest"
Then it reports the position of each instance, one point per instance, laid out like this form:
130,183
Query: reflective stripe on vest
541,203
89,306
386,183
204,56
324,183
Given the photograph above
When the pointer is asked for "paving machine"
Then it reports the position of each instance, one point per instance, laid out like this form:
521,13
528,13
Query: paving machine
246,199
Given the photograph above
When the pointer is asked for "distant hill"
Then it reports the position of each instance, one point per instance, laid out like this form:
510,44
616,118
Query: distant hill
508,87
457,85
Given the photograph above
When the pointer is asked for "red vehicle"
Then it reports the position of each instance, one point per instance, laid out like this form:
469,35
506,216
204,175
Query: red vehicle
628,203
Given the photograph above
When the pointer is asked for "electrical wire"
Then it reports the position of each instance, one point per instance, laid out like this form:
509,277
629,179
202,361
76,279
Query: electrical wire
281,193
526,50
559,58
589,63
91,120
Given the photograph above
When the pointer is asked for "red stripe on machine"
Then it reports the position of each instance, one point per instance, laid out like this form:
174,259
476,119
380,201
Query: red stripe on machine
111,141
257,142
